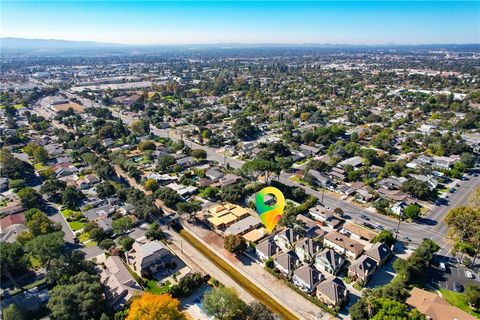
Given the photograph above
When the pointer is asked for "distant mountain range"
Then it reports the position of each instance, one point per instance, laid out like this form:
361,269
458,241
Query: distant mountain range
23,46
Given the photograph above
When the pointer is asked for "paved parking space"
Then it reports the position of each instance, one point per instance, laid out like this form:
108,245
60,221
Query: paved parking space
453,274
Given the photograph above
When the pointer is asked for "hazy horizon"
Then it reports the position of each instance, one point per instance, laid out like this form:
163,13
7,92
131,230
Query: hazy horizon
216,22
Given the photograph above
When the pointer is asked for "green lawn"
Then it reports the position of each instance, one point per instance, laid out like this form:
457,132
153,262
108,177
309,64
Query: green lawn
91,244
459,300
84,237
16,106
76,225
38,166
67,212
34,262
153,287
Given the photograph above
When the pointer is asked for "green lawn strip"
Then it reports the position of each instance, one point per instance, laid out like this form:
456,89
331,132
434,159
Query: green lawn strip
38,166
76,225
255,291
84,237
459,300
90,244
152,286
28,286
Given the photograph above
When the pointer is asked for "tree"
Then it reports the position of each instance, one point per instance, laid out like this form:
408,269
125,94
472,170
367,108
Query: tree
235,243
71,196
416,188
107,244
258,311
126,243
199,154
154,232
105,189
473,295
188,207
139,127
464,223
80,299
52,187
155,306
67,265
40,155
39,223
258,167
151,185
169,196
224,304
165,161
243,129
16,184
12,312
122,225
412,211
232,193
146,145
30,198
13,261
385,236
391,309
46,247
14,168
187,285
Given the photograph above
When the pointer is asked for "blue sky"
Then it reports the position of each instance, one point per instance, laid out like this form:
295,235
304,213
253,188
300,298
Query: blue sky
180,22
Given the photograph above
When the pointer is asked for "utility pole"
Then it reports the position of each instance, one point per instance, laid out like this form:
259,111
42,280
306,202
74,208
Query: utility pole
400,216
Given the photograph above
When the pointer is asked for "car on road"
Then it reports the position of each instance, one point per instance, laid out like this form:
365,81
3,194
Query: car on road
468,274
379,226
368,225
406,238
392,229
452,190
364,217
457,287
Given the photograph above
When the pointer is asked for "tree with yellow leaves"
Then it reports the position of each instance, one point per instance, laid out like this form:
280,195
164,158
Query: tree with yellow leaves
155,307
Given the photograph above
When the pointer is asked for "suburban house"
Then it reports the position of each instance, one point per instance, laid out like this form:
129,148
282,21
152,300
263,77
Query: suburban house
244,225
286,262
266,249
332,292
146,258
11,226
379,252
286,238
434,307
306,249
398,207
222,216
343,244
329,261
325,216
355,162
362,268
307,278
358,232
120,286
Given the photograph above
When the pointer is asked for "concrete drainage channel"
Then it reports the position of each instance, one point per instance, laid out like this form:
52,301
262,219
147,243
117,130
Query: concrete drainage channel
251,288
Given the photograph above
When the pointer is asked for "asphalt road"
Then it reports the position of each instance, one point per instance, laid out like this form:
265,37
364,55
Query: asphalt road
431,227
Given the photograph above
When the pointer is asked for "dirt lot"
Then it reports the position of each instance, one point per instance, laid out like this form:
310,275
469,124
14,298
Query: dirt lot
65,106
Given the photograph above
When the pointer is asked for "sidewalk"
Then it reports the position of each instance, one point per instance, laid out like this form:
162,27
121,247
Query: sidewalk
255,272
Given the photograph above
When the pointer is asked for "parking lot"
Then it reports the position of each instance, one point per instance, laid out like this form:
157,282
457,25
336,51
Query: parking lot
452,274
